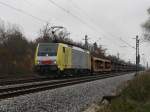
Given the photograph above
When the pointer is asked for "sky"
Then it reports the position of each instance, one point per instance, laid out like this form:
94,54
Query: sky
107,22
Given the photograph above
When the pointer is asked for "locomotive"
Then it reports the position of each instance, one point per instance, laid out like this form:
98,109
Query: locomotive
63,58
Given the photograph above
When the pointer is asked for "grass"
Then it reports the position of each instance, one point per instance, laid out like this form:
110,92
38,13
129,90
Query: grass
134,98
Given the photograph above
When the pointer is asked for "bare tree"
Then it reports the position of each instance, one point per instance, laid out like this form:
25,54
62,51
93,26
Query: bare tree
16,53
53,34
146,27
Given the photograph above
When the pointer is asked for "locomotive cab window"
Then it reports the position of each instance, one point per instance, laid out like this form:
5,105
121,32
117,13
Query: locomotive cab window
47,49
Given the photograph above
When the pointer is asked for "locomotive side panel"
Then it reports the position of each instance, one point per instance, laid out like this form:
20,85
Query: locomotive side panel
64,57
80,59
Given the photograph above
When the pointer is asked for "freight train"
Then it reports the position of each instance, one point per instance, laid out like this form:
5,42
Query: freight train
61,58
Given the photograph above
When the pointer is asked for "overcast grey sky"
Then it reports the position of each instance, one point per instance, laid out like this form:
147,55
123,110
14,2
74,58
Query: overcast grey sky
104,21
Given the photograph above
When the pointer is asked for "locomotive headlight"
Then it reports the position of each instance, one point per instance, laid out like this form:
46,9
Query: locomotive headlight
55,62
38,61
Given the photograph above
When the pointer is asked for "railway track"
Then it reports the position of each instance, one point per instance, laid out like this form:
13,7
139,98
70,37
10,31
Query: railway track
31,87
20,81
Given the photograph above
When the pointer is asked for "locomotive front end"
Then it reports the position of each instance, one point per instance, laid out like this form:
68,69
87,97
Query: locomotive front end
45,57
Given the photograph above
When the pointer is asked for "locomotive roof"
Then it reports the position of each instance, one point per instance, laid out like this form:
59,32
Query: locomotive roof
67,45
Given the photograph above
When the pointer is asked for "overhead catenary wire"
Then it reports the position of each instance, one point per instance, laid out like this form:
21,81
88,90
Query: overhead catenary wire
80,9
78,18
73,15
23,12
39,19
42,20
70,13
84,12
127,43
92,21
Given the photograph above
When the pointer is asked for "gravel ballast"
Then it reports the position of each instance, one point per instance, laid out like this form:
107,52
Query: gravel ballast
73,98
